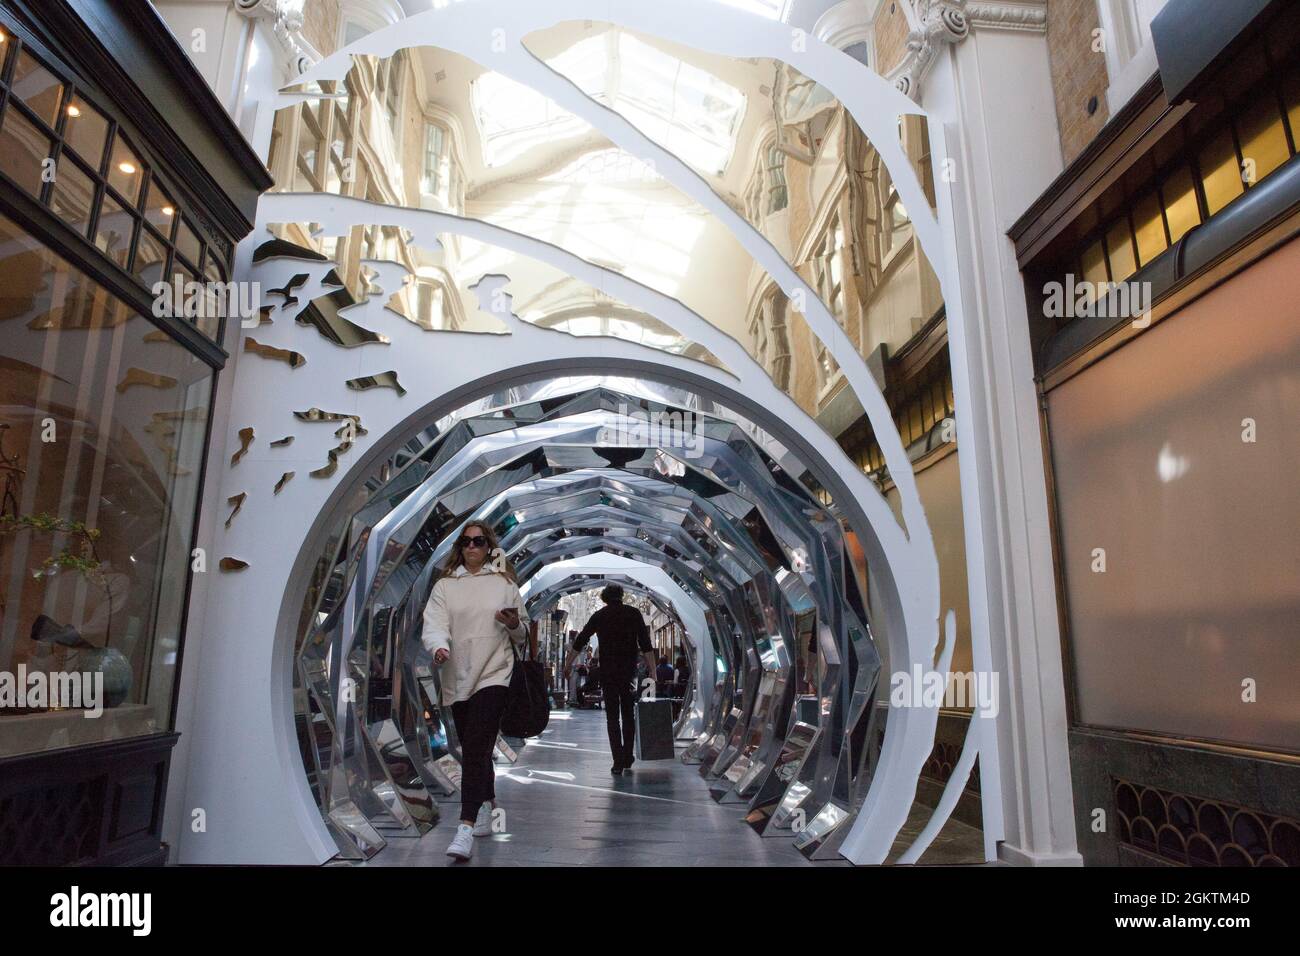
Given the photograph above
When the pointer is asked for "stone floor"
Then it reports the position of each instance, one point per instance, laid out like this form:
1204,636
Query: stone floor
564,808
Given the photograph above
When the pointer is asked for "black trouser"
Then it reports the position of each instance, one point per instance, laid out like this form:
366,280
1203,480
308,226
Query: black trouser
620,701
478,721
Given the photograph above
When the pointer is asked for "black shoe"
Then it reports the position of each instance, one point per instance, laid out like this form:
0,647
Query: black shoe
616,770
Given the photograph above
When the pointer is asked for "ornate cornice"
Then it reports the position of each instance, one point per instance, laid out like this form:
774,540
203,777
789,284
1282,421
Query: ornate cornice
284,19
951,21
941,22
1028,16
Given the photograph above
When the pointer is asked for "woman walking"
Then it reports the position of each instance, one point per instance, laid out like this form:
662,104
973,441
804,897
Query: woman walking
473,614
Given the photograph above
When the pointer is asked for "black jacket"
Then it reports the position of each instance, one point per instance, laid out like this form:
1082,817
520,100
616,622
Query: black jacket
622,634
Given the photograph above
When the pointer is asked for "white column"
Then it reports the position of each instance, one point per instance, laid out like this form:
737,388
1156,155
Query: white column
993,92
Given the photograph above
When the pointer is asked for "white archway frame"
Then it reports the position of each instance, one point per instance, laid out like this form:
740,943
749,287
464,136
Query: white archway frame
910,560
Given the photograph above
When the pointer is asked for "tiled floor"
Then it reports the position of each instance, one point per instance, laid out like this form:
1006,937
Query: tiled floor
564,808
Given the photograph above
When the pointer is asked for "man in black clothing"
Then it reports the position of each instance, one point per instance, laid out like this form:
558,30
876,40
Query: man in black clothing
622,634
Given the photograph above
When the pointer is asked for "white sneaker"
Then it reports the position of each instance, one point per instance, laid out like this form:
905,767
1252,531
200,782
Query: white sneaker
483,824
462,844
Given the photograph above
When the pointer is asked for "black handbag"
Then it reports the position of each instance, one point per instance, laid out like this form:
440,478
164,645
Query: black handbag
528,706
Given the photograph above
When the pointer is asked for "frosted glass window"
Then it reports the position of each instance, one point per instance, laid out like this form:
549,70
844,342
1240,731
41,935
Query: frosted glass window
1119,247
1094,266
1150,227
1291,97
1263,138
1220,174
1201,539
1180,204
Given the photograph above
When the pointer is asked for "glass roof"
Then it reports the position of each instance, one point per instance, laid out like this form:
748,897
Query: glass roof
691,111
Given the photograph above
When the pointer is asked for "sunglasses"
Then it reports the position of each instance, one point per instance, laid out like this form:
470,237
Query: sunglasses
477,541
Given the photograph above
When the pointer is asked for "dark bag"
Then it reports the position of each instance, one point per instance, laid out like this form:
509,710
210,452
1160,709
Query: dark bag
528,706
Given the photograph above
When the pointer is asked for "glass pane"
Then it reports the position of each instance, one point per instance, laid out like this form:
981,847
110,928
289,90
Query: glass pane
1263,138
125,172
22,150
74,195
115,230
159,208
1094,265
130,410
37,87
1119,246
1168,654
150,257
199,309
187,243
214,270
1180,204
1220,175
1150,228
86,131
1291,97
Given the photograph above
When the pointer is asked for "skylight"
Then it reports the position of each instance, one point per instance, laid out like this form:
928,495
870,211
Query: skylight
687,110
514,119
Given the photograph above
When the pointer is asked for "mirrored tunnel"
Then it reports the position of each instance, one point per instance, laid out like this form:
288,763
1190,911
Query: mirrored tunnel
702,517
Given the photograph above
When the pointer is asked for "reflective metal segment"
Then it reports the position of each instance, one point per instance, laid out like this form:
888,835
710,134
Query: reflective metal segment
577,474
498,151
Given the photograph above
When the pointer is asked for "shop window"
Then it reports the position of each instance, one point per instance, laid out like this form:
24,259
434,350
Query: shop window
125,171
1181,207
1291,103
37,87
1149,228
1257,137
129,413
1220,172
85,131
23,149
1149,464
160,210
103,188
1263,139
114,232
1120,252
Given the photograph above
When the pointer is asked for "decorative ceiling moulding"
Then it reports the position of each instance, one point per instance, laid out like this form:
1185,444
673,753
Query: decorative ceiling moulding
285,826
284,19
946,22
1029,16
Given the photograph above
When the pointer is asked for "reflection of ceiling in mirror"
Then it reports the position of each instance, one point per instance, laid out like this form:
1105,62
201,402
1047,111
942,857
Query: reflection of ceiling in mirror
691,111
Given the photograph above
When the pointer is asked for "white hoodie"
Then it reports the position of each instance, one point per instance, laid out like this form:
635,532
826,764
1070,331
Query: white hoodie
460,616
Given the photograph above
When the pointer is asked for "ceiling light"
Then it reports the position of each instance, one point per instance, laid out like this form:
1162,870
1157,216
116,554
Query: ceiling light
73,111
126,168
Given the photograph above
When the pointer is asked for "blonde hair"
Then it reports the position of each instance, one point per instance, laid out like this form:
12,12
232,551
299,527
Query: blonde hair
455,559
